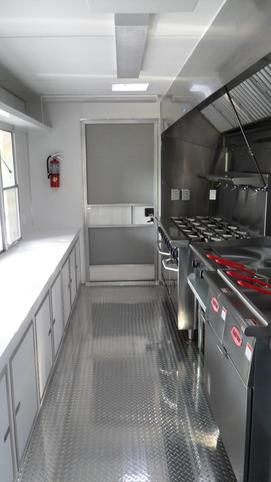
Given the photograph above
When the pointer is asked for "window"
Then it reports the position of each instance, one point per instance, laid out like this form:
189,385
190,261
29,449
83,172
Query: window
10,229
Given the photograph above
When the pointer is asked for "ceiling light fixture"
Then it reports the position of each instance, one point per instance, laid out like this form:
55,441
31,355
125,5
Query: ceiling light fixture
3,113
130,87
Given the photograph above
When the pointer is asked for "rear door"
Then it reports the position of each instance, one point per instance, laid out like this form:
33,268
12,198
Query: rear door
120,191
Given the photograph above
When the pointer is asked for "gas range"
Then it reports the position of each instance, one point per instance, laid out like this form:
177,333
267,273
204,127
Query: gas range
253,289
206,228
237,366
254,252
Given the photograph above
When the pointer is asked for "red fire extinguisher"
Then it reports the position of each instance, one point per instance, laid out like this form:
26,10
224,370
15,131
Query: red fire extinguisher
53,169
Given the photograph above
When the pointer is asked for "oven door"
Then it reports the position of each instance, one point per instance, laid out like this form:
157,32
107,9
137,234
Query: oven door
230,400
170,277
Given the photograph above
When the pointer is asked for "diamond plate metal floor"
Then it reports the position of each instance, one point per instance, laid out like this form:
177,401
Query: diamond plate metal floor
126,402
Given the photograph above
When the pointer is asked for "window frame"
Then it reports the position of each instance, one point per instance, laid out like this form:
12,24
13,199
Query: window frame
5,244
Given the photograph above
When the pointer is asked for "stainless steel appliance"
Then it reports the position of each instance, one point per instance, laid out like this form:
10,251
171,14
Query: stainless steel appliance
177,260
238,366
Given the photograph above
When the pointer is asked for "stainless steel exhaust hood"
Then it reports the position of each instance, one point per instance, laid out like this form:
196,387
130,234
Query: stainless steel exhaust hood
252,99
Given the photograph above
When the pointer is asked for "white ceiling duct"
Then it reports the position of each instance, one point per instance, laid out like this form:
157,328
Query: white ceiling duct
131,38
142,6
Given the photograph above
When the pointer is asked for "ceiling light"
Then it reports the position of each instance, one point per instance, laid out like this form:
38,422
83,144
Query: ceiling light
3,113
130,87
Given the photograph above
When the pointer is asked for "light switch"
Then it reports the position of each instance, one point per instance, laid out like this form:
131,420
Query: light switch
185,194
175,194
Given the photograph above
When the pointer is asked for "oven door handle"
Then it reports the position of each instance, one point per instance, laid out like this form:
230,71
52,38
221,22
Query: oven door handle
160,250
168,267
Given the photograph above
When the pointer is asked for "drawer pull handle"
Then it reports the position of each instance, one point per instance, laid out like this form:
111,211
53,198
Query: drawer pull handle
6,434
17,408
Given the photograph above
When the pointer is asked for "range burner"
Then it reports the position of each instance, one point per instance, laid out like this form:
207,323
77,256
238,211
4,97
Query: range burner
206,228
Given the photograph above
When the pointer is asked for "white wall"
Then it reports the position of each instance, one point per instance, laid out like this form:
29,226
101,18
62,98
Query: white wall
63,207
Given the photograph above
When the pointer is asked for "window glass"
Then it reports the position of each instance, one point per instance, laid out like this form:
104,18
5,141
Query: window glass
10,229
6,155
11,207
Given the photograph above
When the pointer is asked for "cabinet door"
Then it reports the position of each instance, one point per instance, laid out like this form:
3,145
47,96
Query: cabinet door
73,275
78,264
44,343
66,291
6,467
57,312
24,390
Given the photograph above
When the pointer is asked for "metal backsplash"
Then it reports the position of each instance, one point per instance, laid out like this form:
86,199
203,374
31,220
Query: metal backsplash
244,206
189,150
192,148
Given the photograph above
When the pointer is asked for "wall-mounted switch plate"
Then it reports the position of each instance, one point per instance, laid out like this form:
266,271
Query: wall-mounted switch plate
185,194
212,194
175,195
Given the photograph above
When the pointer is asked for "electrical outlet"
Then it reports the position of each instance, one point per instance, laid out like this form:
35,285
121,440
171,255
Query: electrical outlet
175,195
185,194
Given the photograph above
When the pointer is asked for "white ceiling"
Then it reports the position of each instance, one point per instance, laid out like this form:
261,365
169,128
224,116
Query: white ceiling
66,47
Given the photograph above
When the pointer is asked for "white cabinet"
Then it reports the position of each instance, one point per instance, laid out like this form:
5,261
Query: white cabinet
57,312
6,465
44,343
66,291
78,264
23,375
73,275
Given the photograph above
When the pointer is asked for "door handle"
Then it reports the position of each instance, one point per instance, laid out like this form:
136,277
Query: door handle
6,434
49,332
54,320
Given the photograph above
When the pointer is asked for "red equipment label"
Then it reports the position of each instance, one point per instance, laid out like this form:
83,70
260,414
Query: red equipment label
214,304
236,336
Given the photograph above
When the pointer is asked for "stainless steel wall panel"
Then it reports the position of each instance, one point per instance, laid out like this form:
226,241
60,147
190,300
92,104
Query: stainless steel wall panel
122,245
188,151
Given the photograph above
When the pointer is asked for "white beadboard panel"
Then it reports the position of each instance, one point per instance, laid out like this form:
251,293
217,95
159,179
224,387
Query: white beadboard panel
109,215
